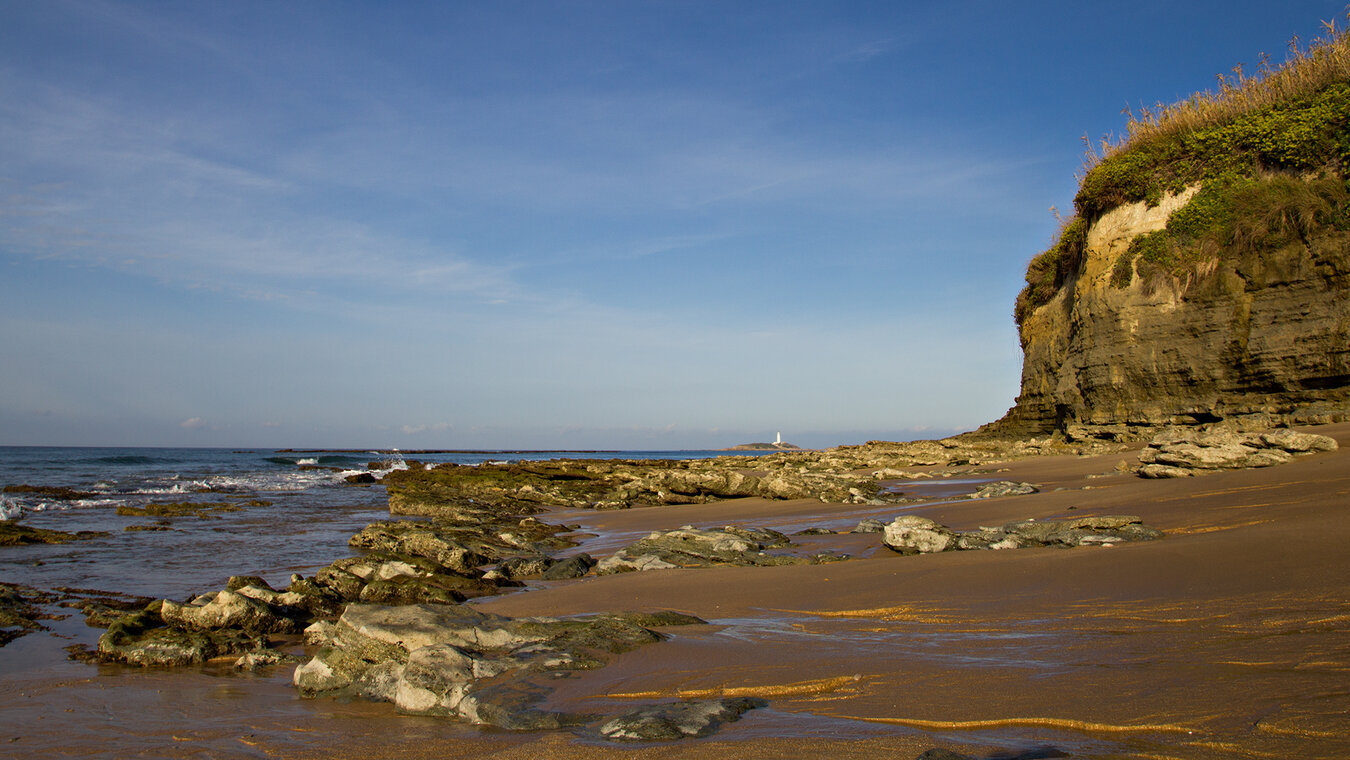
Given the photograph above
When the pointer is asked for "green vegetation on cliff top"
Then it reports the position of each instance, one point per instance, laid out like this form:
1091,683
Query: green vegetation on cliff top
1270,153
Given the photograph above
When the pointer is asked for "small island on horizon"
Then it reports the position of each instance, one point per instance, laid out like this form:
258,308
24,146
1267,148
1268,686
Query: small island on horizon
778,445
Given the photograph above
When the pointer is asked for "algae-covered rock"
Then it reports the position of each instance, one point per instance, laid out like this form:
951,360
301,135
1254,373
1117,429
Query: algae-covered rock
15,534
144,638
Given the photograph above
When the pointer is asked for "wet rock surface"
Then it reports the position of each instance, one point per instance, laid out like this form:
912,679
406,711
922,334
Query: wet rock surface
455,661
911,534
678,720
1003,488
1183,452
15,534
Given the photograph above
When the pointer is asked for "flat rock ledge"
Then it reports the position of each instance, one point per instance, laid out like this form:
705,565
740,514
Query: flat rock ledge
678,720
693,547
451,660
1185,452
910,534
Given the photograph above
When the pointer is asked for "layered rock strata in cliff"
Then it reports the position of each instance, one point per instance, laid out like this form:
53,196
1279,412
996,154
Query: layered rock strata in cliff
1263,334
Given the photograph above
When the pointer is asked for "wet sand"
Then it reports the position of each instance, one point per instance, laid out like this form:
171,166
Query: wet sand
1229,638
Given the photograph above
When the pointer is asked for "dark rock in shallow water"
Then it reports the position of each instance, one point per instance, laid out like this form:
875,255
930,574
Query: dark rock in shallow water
869,525
521,567
14,534
361,479
678,720
19,611
570,567
59,493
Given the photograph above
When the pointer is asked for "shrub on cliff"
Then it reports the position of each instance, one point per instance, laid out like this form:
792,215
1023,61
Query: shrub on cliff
1269,151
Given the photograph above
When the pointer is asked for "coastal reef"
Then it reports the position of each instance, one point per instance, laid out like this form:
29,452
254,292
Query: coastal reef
614,484
841,475
1205,274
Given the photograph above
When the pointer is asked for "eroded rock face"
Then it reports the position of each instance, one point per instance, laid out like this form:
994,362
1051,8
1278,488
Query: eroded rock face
1183,452
456,661
1265,334
911,534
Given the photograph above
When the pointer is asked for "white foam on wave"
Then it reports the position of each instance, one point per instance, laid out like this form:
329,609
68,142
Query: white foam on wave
9,510
97,503
307,460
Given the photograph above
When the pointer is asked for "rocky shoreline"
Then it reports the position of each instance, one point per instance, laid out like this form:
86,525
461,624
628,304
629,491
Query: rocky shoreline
400,621
391,624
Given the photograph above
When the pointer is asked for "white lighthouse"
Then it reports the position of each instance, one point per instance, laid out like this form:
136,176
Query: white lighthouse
779,440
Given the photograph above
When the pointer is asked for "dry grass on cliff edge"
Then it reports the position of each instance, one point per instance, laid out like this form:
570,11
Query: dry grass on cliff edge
1326,60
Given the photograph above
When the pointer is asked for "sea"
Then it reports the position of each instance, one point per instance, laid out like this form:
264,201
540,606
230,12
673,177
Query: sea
265,512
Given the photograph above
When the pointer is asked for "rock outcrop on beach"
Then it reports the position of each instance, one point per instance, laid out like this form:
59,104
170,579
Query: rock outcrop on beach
678,720
911,534
1205,276
841,475
233,621
526,488
455,661
1183,452
691,547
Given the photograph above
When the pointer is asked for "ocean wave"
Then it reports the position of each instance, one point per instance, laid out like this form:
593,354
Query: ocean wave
9,510
130,459
97,503
325,460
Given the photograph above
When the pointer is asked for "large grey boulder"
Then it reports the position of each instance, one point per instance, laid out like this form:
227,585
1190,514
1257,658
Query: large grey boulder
911,534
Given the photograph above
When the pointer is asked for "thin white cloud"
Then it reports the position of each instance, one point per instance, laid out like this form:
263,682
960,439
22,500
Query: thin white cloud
193,423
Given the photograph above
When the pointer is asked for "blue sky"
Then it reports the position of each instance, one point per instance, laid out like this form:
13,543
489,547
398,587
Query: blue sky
529,224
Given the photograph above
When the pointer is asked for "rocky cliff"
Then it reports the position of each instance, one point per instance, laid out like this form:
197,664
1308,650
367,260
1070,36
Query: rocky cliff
1205,276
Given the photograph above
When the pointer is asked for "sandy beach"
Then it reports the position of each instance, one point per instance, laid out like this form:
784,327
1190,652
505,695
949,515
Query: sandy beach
1227,638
